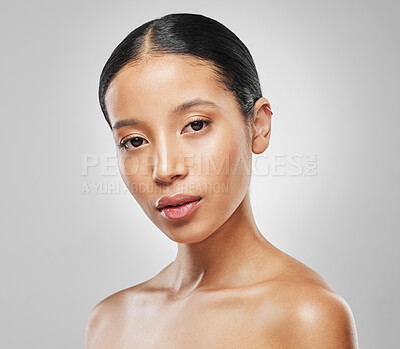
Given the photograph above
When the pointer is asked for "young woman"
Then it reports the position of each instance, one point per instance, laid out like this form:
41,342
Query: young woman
182,97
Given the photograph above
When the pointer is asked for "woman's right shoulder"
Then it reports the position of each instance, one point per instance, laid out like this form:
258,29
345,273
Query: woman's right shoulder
121,302
119,298
109,315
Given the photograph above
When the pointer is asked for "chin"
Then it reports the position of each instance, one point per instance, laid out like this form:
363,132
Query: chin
186,236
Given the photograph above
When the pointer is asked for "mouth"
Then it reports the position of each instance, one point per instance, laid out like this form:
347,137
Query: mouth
178,206
180,211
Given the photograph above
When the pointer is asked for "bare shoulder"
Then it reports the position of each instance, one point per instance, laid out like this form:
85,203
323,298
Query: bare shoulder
312,311
117,314
322,319
109,317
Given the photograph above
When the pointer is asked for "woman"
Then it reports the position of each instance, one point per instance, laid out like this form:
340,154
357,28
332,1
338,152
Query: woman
182,97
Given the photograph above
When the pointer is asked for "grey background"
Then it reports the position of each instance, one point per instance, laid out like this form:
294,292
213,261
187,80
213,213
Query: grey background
330,71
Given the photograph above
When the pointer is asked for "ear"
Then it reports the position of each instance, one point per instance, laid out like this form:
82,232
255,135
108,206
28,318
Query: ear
261,125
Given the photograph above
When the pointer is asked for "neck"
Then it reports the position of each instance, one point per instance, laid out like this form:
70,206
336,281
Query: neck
230,257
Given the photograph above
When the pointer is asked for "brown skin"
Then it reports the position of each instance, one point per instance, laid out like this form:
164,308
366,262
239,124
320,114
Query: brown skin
228,287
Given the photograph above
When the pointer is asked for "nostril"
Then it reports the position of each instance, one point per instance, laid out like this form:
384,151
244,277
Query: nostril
165,182
168,167
161,183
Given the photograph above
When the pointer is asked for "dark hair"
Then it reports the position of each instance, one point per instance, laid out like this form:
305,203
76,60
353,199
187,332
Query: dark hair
196,36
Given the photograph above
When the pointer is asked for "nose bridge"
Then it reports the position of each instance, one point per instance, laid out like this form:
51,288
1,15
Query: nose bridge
168,160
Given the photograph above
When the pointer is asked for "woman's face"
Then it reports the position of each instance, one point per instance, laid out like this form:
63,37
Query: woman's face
178,130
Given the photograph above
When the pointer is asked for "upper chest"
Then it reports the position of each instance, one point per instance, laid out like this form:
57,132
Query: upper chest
218,320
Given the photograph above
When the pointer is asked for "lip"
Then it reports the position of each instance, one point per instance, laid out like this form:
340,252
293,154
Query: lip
176,200
187,204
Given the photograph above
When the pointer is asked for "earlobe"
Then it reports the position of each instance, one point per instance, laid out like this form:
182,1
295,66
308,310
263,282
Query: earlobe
261,126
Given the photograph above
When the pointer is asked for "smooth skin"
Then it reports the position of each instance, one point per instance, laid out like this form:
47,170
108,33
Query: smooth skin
228,287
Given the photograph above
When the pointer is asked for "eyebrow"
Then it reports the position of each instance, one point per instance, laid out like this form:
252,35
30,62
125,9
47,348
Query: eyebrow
178,109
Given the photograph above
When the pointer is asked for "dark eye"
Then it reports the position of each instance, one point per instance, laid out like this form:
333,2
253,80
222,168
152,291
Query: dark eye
133,142
197,125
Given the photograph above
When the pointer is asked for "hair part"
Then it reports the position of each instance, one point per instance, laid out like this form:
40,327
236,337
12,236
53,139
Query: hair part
197,37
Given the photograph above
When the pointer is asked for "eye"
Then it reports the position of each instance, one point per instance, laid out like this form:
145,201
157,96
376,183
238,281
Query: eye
132,142
197,125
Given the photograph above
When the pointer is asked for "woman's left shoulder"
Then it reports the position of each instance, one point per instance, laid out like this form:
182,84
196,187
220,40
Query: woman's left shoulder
321,318
313,313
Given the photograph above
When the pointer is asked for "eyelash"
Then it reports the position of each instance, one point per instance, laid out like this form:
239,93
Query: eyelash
124,142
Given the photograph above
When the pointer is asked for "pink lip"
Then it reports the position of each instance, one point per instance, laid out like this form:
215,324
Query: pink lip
187,204
175,200
179,212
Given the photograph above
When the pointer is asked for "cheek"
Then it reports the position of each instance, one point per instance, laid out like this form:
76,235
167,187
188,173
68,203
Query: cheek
133,172
227,160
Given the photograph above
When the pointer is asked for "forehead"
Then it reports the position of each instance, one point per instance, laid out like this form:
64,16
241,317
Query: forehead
161,83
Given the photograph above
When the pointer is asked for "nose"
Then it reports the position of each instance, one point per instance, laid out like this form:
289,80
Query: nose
169,164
